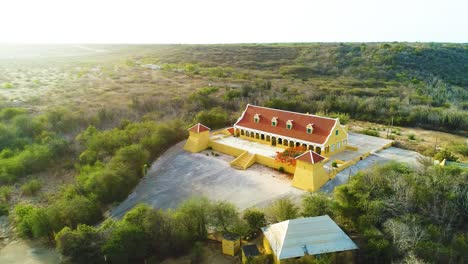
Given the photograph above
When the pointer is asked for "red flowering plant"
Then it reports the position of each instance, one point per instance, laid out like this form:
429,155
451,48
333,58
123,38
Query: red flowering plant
289,155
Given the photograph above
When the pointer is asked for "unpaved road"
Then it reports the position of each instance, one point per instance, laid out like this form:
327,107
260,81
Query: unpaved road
22,252
379,157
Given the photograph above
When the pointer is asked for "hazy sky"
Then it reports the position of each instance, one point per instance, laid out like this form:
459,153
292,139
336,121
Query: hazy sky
218,21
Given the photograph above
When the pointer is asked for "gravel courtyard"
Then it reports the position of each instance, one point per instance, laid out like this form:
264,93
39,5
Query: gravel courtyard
178,175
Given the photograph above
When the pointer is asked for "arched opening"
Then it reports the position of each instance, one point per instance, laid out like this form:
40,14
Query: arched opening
268,138
262,137
242,132
257,136
273,141
252,134
304,145
280,141
298,144
291,144
318,150
285,142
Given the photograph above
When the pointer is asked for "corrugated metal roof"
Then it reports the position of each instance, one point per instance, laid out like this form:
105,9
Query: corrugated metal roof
312,236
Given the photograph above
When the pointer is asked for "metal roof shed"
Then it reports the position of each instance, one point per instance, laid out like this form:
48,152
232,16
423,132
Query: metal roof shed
307,236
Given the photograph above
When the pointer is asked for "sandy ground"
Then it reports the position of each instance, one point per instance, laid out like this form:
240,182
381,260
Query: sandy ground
22,252
179,175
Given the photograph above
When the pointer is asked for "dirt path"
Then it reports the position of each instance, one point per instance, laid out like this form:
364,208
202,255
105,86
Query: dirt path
22,252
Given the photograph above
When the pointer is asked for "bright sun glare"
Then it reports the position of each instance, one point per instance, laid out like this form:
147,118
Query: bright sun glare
211,21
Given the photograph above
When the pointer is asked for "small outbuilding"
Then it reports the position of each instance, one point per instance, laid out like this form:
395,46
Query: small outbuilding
249,252
231,244
308,237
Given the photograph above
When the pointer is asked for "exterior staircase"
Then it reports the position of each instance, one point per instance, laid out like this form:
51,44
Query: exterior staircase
243,161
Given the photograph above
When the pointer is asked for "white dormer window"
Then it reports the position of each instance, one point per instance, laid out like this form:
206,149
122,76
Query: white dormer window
310,128
274,121
289,124
257,118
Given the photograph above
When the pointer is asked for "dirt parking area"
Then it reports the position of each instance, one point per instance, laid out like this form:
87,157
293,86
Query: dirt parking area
364,143
376,158
179,175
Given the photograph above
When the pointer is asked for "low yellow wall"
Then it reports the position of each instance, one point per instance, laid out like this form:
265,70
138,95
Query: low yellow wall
266,161
225,148
345,165
352,148
272,163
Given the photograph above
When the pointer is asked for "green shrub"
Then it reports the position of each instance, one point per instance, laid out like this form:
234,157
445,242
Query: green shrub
460,148
7,114
31,187
7,85
214,118
33,158
5,193
370,132
445,154
411,136
4,208
334,164
281,169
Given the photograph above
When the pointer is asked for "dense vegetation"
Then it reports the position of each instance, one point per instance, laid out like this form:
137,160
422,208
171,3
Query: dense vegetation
394,213
149,234
402,213
415,84
28,144
109,167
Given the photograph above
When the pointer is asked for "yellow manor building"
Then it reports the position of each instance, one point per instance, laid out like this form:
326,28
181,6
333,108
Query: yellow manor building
261,132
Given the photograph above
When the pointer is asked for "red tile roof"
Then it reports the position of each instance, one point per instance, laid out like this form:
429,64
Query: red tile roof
231,130
198,128
322,125
310,157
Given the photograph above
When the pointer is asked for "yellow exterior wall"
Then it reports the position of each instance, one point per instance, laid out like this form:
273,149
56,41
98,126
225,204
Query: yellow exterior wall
230,247
309,177
334,139
272,163
197,141
268,250
352,148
